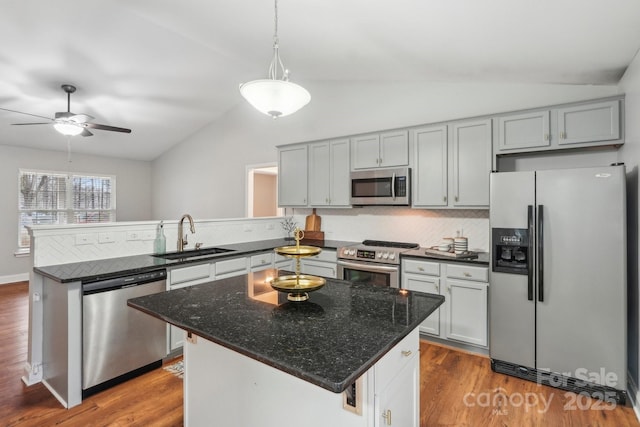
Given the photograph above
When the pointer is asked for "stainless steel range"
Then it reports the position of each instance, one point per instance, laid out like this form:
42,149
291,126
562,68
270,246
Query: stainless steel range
376,262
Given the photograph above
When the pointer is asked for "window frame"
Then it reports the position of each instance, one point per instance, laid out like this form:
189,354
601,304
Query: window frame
69,210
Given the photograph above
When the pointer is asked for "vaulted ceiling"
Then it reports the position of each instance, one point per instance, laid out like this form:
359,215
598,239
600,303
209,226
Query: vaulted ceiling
166,68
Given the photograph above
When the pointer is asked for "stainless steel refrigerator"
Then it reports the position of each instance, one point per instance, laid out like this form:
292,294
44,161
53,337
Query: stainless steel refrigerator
558,278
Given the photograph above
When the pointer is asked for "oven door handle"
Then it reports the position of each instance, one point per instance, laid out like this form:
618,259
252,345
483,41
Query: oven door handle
367,267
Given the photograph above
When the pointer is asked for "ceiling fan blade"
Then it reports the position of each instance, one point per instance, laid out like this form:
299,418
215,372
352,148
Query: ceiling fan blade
28,114
26,124
85,132
105,127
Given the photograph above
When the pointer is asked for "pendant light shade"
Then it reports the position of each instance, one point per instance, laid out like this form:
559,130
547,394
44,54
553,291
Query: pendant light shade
276,97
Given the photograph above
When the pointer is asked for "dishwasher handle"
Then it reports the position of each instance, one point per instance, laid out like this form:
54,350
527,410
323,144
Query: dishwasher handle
96,286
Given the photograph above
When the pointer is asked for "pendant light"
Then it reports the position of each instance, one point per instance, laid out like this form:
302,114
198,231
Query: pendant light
275,96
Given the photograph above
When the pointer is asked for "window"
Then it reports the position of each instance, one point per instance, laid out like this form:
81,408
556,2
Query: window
63,198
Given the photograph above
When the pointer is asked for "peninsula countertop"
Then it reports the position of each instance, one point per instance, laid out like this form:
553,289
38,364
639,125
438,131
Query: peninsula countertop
329,340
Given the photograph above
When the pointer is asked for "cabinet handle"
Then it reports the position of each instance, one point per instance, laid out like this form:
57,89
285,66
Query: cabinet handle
546,136
456,198
438,288
329,200
444,199
304,201
420,269
466,274
406,353
387,417
563,135
449,289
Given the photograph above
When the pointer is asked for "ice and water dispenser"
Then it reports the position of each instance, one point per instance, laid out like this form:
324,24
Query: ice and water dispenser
511,250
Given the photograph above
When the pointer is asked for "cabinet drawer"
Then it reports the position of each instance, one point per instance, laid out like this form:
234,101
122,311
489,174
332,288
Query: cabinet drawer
421,267
261,260
391,363
231,265
468,272
325,255
193,272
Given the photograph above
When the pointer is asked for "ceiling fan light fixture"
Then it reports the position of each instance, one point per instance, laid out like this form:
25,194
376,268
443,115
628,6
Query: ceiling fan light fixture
276,97
67,128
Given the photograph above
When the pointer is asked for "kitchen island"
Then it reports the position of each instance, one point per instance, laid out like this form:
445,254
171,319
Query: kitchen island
348,356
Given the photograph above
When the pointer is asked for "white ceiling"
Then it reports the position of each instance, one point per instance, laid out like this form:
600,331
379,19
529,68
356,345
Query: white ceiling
166,68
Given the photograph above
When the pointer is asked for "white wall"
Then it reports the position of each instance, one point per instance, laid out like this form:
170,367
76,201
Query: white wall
204,175
133,181
630,155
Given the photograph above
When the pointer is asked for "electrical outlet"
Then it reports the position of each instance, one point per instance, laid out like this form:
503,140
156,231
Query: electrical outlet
106,238
147,235
133,235
84,239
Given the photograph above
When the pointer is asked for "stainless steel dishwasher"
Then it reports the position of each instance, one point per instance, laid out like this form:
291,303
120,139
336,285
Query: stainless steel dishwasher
119,342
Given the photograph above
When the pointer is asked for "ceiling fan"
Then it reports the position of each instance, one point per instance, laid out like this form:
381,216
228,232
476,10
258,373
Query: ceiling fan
68,123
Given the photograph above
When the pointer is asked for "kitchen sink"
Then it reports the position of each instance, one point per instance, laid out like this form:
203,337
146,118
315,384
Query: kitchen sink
193,253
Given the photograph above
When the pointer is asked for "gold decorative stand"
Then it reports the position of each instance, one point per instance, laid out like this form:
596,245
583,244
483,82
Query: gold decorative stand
297,285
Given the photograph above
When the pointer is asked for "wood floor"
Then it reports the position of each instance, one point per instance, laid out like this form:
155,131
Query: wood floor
457,389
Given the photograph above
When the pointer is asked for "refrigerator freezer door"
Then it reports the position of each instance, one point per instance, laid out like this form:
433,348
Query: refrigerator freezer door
581,321
512,315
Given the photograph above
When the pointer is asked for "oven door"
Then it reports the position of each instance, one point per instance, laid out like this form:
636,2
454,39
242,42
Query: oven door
366,272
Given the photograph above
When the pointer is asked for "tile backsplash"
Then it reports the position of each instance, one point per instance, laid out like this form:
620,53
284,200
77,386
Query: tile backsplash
426,227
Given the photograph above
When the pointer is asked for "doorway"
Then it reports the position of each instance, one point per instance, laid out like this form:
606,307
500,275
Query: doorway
262,191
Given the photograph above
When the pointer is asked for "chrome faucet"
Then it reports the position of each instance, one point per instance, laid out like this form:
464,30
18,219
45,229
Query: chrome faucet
182,241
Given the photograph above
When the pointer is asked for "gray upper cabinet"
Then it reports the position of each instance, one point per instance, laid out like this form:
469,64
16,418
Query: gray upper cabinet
452,165
387,149
430,171
589,123
522,131
578,125
292,175
329,173
471,158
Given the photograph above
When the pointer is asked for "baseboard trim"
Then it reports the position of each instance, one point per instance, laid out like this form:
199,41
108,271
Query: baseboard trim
454,345
13,278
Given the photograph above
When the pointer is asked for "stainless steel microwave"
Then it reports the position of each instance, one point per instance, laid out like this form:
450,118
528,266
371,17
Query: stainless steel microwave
381,187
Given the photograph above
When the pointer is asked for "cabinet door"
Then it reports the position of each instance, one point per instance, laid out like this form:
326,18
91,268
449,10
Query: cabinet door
394,149
466,311
430,171
292,176
429,284
471,146
365,151
340,183
529,130
398,404
319,173
589,123
318,268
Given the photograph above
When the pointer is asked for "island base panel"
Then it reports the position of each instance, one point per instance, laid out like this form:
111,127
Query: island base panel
226,388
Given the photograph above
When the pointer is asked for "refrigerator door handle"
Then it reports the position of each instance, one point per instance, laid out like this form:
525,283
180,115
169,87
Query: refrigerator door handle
540,254
530,255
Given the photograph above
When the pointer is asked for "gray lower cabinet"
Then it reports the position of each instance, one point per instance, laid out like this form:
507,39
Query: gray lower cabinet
324,264
463,317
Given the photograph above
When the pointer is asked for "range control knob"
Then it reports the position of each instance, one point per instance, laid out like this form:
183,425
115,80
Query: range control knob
352,251
385,255
379,254
345,251
392,255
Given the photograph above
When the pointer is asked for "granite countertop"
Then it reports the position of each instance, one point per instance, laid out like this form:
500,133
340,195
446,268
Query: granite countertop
116,267
329,340
482,259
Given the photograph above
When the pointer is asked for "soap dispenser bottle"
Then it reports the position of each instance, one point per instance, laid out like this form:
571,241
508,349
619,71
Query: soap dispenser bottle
160,243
